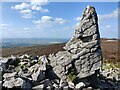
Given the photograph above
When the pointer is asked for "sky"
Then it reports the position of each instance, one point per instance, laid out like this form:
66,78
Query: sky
54,19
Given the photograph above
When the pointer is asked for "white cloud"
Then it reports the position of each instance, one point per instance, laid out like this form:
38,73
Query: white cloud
37,8
27,9
106,27
26,13
60,20
50,20
21,6
26,28
39,2
47,22
4,26
1,25
113,14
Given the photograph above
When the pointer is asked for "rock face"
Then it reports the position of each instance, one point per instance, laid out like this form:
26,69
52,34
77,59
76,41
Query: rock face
83,54
86,44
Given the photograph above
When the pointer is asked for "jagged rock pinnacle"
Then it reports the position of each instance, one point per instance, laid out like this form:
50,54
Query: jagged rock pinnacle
83,53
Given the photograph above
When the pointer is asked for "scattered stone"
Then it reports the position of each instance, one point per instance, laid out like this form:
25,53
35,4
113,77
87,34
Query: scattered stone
7,76
63,84
55,85
71,85
38,87
80,85
66,88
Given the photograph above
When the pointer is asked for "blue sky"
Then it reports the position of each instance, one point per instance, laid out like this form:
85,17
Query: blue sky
54,19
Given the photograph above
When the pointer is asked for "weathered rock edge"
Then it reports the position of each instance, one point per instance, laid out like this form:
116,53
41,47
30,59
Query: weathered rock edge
83,53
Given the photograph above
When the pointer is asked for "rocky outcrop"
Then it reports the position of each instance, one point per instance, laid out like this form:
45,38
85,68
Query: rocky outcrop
85,44
75,68
83,54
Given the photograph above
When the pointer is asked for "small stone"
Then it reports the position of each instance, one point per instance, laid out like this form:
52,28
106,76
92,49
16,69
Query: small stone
89,88
80,85
38,87
71,85
63,84
38,76
66,88
9,75
55,85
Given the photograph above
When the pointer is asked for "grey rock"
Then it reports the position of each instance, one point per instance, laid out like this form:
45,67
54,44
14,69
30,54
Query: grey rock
34,68
63,84
38,75
7,76
48,83
38,87
18,83
3,62
71,84
0,85
45,84
11,67
83,51
60,62
80,85
25,74
13,57
25,56
44,61
55,85
66,88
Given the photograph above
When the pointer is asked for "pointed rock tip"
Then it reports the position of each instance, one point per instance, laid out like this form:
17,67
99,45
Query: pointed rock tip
89,9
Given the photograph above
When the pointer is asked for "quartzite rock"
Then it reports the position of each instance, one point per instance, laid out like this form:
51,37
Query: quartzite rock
83,52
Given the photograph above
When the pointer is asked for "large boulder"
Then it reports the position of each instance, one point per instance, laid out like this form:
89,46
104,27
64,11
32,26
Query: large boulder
83,53
85,44
37,73
17,83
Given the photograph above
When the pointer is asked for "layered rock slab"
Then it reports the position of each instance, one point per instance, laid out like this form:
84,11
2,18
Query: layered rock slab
83,53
